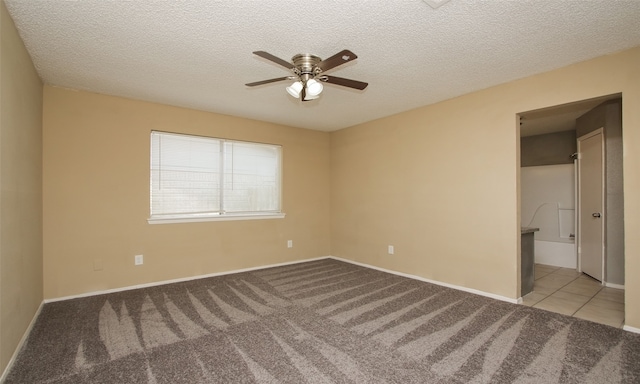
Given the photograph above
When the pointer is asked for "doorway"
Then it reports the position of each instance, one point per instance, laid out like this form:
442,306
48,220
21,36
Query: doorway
545,143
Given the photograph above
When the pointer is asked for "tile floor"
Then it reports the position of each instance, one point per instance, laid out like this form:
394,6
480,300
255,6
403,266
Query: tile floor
566,291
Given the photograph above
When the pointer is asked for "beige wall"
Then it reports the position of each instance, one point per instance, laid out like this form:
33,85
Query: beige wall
20,189
96,197
441,183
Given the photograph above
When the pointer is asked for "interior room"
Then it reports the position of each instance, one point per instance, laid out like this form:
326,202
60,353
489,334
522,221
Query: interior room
401,178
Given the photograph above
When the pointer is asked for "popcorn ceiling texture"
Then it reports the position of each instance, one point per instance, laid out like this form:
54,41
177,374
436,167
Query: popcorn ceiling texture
197,54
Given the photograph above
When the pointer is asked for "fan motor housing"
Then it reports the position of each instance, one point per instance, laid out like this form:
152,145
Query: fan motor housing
305,63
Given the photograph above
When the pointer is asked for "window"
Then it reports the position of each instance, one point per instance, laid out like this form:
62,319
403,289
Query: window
195,178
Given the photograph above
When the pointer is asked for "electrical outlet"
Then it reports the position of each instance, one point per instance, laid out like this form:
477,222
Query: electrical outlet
289,243
138,260
391,250
97,264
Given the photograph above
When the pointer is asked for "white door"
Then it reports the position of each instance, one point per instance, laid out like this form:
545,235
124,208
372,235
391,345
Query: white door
591,204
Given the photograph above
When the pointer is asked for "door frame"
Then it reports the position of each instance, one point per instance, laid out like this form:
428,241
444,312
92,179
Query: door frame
599,131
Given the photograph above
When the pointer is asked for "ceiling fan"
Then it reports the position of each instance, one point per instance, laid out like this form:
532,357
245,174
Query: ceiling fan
309,74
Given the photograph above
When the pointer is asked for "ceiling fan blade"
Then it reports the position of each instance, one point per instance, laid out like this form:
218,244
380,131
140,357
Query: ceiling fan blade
338,59
277,60
267,81
345,82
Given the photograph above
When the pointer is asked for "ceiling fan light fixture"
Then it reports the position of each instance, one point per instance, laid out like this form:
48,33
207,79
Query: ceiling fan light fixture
314,88
294,89
308,73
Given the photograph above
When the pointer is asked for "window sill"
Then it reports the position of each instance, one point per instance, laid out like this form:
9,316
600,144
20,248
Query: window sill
228,217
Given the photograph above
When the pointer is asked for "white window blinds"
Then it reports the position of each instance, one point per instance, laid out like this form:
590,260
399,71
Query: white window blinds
193,176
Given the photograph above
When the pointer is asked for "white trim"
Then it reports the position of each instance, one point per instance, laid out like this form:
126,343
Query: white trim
631,329
179,280
26,334
226,217
458,287
183,279
613,285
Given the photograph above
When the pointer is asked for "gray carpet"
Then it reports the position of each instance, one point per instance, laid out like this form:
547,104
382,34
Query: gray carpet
319,322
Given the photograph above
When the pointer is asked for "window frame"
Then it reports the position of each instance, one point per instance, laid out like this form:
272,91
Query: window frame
221,215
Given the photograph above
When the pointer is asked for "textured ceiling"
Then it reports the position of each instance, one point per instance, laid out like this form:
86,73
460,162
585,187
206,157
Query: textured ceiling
197,54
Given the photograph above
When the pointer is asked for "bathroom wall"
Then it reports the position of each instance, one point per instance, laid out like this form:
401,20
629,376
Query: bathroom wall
547,149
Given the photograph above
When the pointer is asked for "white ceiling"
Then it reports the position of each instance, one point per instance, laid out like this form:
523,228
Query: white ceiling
197,54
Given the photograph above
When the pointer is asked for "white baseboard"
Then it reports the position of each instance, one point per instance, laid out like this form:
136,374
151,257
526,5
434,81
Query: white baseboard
612,285
20,344
460,288
453,286
163,282
180,280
